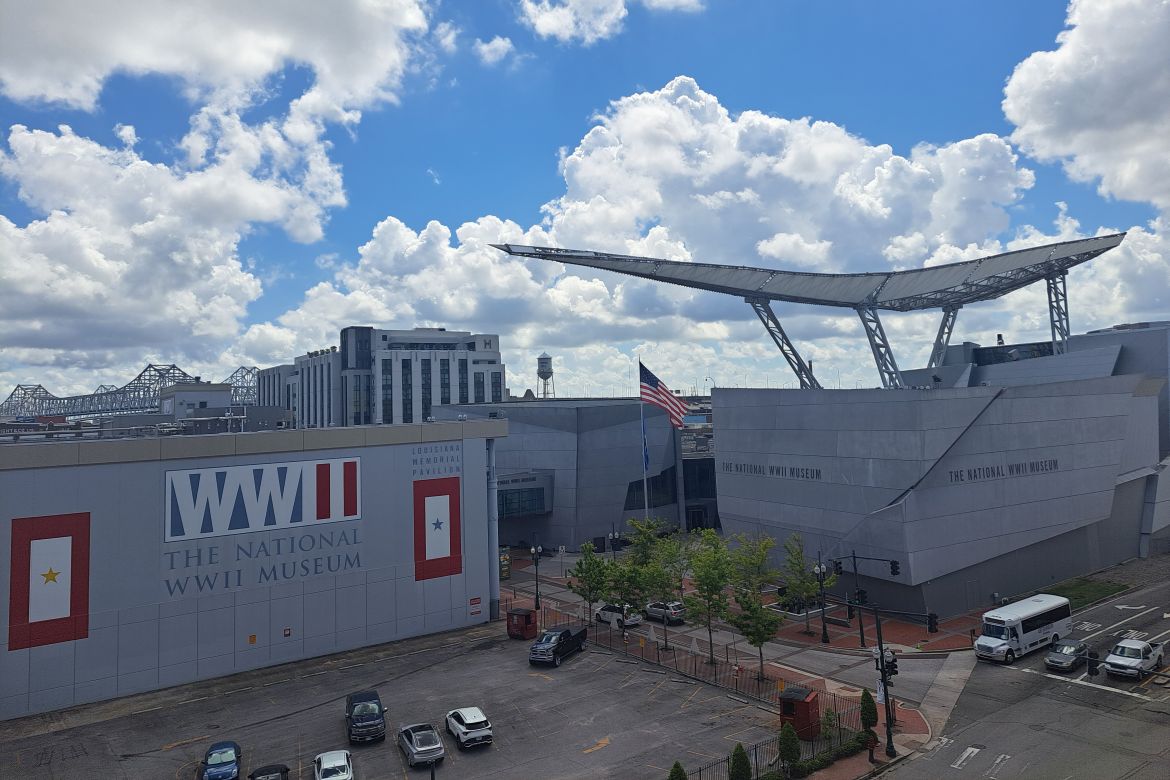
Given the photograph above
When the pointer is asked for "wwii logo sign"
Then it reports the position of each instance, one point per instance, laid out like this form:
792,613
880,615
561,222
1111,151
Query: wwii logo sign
202,503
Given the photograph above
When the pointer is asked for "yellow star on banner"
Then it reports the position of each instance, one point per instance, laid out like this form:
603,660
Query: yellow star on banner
50,575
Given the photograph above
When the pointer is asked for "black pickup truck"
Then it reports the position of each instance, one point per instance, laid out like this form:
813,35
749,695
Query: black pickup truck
554,644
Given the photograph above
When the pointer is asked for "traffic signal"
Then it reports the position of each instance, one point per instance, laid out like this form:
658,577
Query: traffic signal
895,567
861,599
838,569
932,623
1094,663
892,665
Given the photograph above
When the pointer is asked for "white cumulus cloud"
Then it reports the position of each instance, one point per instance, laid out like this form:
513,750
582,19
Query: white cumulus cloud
493,51
588,21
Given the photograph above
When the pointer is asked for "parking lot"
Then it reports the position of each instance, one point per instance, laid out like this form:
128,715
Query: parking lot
598,715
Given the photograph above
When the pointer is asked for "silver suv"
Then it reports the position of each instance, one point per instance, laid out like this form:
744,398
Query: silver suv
617,616
665,611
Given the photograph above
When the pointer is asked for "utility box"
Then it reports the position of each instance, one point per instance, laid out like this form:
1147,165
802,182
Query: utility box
522,623
802,708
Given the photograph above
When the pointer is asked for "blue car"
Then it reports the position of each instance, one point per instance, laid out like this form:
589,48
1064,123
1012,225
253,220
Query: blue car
224,761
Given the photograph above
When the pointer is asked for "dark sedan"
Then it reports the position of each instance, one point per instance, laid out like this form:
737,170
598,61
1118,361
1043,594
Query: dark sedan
1066,655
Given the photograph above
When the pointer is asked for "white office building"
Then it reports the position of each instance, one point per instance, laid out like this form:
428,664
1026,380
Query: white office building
386,377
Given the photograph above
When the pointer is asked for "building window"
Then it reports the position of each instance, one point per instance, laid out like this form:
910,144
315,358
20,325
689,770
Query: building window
463,380
387,391
356,400
662,490
407,391
520,503
445,381
426,388
479,397
497,388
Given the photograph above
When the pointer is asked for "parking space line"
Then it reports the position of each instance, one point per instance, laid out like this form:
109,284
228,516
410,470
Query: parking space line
276,682
704,755
1124,620
694,693
182,742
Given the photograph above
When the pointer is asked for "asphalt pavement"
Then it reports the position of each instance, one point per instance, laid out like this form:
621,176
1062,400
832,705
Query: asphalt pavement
1022,721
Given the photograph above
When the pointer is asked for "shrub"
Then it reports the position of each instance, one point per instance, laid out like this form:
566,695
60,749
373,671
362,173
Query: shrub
869,713
741,767
677,772
789,745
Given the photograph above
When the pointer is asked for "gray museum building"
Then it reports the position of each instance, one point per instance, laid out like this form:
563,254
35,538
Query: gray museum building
992,472
136,564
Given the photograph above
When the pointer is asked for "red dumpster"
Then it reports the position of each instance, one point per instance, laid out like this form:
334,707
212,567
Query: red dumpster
800,707
522,623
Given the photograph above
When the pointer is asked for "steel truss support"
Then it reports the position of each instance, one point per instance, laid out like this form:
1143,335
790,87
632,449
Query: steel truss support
799,367
1058,311
883,356
944,335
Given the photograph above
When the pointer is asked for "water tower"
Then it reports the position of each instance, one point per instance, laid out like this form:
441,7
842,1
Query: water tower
544,370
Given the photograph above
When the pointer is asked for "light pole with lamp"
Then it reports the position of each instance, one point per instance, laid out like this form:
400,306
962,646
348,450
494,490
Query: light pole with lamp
613,537
821,570
536,551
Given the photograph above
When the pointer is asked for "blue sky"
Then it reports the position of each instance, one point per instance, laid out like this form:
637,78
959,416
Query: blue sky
450,135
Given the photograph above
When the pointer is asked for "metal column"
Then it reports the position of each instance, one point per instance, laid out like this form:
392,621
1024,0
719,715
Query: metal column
950,313
883,356
493,518
799,367
1058,311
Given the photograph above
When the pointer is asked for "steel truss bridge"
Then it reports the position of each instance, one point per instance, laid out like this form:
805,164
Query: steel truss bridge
947,287
139,395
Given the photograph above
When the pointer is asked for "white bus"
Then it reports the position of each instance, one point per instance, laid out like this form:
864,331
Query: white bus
1020,628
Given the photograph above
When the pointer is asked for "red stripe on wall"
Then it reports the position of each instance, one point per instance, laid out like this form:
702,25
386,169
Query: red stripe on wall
322,491
351,502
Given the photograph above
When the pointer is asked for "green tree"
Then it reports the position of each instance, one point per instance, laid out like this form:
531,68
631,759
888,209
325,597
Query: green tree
589,578
741,767
799,579
663,576
755,622
677,772
789,746
711,574
869,713
750,571
750,565
626,584
644,539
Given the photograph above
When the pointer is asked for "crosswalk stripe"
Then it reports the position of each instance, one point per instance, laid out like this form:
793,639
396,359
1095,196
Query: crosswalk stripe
968,754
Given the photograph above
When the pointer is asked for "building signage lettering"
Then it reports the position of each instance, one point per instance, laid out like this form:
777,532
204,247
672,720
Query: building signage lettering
436,460
785,471
259,562
1021,468
205,503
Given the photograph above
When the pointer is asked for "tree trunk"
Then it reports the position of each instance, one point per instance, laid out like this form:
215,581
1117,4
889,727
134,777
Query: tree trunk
710,643
761,648
665,633
807,628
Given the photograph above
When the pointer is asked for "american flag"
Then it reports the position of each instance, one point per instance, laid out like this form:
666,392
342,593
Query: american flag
655,391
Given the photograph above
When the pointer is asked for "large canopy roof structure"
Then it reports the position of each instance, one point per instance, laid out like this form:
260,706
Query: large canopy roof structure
947,287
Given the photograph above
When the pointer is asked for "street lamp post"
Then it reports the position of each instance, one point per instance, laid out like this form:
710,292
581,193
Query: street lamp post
821,570
613,537
536,551
885,679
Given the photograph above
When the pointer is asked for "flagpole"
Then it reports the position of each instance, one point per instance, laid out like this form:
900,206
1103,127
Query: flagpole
645,448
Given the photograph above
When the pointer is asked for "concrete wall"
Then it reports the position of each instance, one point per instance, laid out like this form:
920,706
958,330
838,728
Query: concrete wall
952,483
593,447
163,613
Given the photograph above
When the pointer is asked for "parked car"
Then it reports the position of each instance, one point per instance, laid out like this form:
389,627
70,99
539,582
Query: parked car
365,717
421,744
223,761
665,611
469,726
1134,658
270,772
334,765
552,646
1066,655
617,616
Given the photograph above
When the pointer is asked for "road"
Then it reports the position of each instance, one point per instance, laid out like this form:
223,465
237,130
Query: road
1021,721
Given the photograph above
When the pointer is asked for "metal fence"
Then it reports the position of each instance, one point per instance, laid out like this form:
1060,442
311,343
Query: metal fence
729,670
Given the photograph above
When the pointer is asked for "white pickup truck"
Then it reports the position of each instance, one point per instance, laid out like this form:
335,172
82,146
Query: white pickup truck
1134,658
